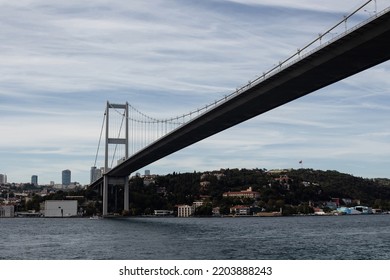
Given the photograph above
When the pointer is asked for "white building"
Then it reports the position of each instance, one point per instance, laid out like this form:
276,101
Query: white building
240,210
163,212
60,208
195,205
7,211
184,211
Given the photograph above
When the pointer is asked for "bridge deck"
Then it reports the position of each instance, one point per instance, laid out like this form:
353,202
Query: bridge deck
361,49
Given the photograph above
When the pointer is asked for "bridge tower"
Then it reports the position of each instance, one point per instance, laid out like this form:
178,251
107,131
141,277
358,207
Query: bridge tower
115,140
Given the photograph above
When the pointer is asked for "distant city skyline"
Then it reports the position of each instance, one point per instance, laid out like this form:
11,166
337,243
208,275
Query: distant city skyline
61,61
34,179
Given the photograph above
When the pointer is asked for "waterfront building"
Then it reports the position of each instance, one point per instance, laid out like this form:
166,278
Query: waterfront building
196,204
184,211
240,210
66,177
216,211
34,180
7,211
163,212
59,208
363,209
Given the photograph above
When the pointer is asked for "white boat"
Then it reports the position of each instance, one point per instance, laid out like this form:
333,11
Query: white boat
94,217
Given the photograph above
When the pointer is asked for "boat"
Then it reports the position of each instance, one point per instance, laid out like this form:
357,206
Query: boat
94,217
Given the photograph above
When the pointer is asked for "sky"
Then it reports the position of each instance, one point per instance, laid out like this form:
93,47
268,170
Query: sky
61,61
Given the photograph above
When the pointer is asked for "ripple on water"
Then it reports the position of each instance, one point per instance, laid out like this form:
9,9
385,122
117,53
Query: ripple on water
346,237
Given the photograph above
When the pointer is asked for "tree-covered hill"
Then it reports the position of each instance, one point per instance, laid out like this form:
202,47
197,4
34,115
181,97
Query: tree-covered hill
277,188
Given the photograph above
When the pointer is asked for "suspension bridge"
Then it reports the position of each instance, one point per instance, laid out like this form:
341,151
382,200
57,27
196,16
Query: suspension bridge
134,139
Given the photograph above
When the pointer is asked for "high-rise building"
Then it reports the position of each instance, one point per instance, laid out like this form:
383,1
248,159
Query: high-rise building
92,174
34,180
3,179
96,173
66,177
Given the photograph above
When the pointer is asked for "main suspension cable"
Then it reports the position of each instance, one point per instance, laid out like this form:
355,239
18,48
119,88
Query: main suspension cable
100,138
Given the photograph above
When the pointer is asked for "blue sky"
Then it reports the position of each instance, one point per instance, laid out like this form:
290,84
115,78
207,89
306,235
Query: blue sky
61,61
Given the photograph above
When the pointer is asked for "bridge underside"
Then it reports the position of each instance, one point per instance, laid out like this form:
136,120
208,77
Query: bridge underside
361,49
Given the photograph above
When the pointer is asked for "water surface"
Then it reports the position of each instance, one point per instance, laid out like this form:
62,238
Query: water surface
278,238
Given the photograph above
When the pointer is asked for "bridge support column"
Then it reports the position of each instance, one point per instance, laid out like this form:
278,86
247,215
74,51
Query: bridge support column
126,195
114,182
105,195
111,180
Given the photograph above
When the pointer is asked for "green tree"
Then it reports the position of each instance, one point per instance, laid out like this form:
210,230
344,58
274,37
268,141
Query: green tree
304,208
204,210
34,203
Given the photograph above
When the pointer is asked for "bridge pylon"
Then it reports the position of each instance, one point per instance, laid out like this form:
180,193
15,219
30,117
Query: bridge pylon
115,140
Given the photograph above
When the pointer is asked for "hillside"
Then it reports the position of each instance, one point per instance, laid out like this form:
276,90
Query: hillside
290,189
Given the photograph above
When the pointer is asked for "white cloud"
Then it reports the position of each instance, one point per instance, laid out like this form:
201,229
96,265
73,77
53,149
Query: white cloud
61,61
328,6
